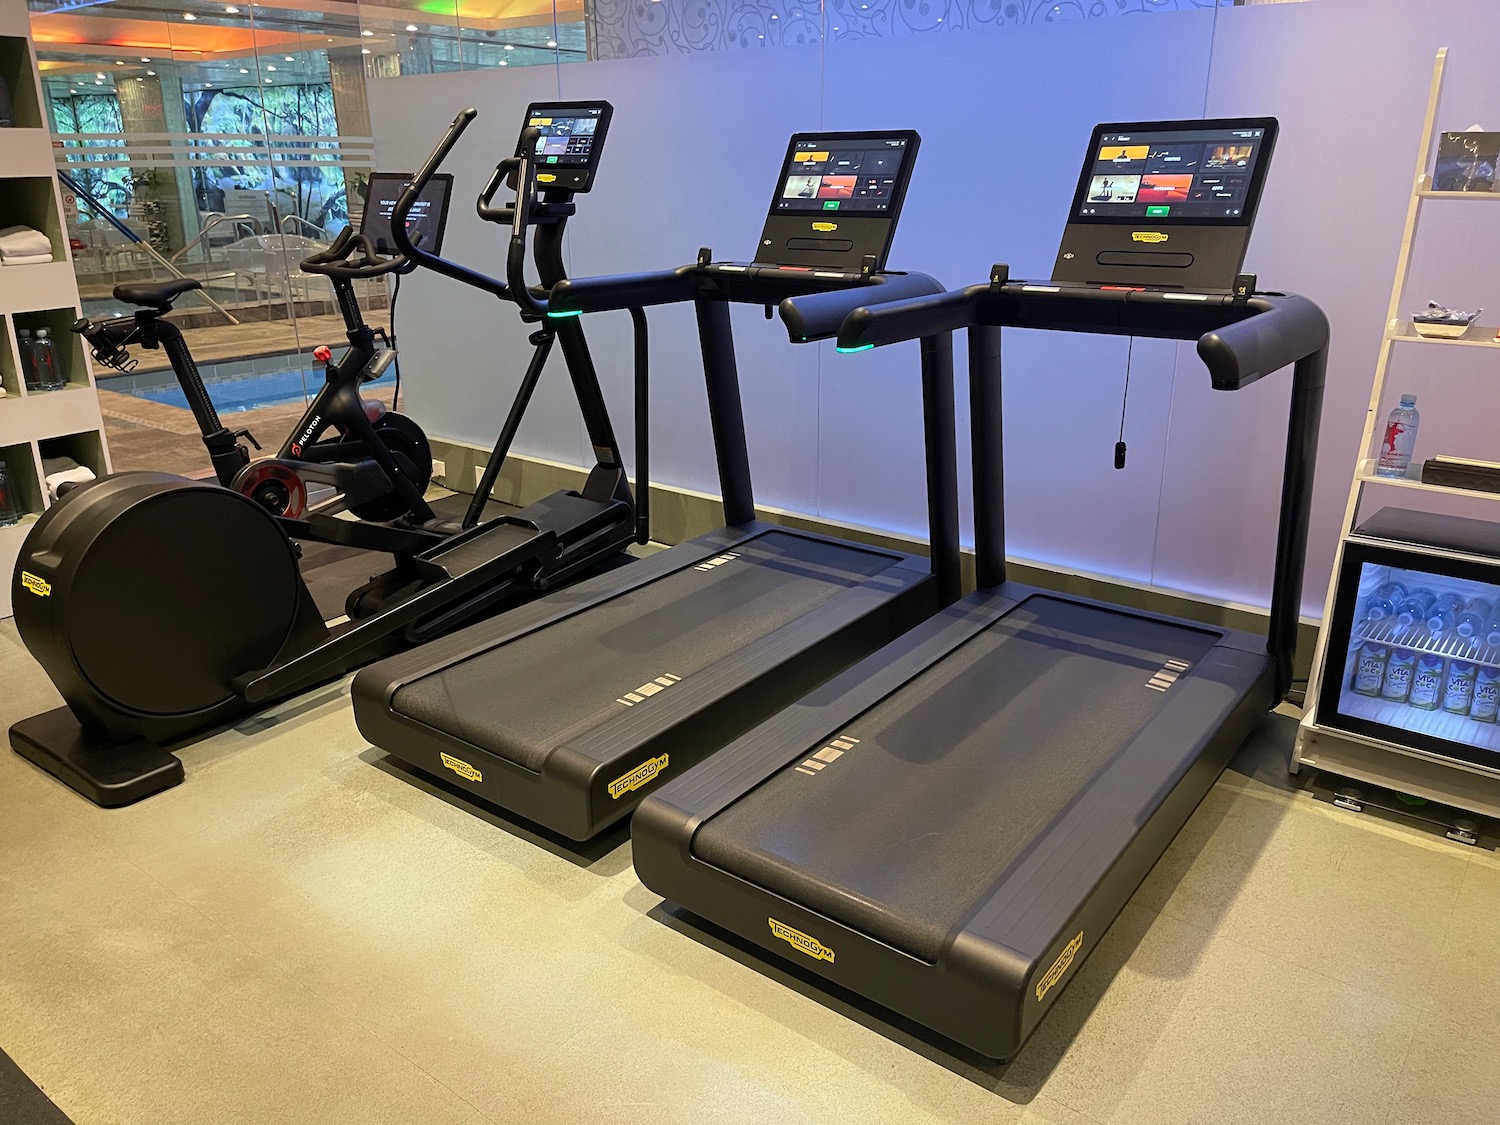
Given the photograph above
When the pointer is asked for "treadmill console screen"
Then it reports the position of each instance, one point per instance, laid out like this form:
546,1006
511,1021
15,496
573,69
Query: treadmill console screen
571,142
424,224
856,173
1207,172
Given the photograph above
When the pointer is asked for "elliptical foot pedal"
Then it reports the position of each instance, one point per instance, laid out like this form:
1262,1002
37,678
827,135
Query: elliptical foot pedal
109,774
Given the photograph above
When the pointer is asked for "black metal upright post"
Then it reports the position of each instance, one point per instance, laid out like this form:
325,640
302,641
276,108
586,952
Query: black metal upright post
941,441
987,449
726,416
1308,377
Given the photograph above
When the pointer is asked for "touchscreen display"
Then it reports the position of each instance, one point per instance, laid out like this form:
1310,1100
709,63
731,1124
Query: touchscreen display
1200,174
569,135
425,222
848,174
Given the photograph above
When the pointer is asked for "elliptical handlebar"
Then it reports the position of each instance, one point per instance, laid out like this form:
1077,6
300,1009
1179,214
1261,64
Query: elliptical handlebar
520,219
338,259
402,212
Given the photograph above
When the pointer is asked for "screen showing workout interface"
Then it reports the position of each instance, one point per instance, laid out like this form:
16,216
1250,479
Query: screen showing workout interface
850,174
1194,174
567,135
425,222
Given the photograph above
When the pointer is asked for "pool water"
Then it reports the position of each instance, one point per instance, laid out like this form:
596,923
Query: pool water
230,393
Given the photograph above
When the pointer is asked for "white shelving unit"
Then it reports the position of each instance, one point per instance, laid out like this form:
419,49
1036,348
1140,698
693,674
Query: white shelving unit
36,424
1372,760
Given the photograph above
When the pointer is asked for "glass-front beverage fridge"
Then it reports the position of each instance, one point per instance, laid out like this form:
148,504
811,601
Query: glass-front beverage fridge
1413,650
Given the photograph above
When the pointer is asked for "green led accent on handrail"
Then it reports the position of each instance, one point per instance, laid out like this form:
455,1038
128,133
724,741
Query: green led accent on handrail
561,315
851,351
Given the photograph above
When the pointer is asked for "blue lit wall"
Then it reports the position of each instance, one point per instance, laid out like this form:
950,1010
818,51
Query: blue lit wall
1004,114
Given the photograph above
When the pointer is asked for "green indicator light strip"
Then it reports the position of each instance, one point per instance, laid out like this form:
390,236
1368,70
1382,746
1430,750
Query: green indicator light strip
563,315
851,351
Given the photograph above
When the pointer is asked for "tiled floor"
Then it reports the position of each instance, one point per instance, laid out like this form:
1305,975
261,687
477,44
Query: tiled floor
295,935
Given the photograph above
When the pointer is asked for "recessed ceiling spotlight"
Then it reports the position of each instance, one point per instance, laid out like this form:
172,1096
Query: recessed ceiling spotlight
189,16
367,33
231,9
290,59
244,71
208,85
504,62
411,27
144,59
119,62
510,46
151,72
98,82
270,68
552,42
140,80
99,75
364,50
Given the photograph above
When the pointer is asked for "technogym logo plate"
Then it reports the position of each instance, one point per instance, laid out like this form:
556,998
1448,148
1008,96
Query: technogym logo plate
644,773
1148,236
802,943
461,767
38,586
1059,967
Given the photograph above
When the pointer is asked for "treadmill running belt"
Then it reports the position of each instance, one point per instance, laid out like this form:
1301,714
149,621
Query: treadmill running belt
521,700
955,773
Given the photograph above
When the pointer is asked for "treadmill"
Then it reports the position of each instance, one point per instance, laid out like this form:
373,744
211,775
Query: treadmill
949,827
569,710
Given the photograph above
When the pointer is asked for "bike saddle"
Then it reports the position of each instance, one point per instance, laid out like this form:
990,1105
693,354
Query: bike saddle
155,294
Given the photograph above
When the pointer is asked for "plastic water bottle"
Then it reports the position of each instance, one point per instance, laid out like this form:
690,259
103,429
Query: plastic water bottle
1378,607
1458,692
1400,437
1427,683
1486,704
10,508
28,367
44,360
1369,669
1414,607
1473,618
1442,614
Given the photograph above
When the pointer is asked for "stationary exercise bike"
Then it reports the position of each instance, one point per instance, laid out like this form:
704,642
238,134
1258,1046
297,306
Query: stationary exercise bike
164,607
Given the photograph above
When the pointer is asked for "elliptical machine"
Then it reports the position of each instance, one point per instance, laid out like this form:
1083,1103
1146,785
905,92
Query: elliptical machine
163,607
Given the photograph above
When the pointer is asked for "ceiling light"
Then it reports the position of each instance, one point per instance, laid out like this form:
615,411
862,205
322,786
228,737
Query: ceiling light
72,91
119,62
504,62
208,85
290,59
98,82
510,46
99,75
367,33
144,59
364,50
552,42
270,68
189,16
244,71
411,27
231,9
140,80
152,72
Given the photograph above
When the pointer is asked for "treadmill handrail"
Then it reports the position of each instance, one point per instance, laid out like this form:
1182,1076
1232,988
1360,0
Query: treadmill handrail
611,293
818,316
1240,341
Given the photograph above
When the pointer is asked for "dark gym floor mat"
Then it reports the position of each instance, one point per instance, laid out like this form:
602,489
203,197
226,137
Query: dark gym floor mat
22,1101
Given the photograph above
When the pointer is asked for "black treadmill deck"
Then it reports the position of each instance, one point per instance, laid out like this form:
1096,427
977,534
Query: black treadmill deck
949,779
586,669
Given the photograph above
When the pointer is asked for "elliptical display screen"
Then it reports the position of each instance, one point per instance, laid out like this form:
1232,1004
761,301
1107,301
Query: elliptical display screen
1207,172
571,141
852,173
425,223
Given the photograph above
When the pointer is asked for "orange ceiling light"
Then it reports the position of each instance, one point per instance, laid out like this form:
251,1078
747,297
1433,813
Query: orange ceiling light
75,31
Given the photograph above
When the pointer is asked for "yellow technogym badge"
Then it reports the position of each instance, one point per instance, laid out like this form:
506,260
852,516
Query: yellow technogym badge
1148,236
38,586
461,767
1059,967
802,943
825,226
642,774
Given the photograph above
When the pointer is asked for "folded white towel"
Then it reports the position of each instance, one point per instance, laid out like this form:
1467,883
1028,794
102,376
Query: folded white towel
24,240
24,259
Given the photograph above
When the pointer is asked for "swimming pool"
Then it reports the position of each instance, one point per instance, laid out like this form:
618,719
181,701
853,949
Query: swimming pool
232,388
